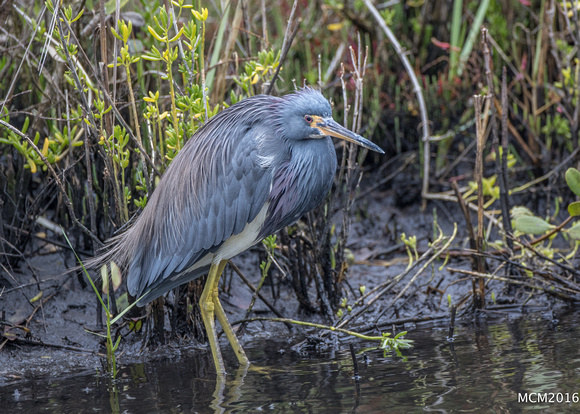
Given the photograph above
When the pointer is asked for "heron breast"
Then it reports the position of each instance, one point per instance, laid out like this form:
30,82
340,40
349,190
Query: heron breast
242,241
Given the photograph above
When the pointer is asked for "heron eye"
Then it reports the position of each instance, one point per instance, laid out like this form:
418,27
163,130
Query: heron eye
308,118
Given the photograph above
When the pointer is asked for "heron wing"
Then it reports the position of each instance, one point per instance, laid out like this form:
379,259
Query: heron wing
211,191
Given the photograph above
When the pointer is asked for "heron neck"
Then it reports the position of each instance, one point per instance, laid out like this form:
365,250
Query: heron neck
300,183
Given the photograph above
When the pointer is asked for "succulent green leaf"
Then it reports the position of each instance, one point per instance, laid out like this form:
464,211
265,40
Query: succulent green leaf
519,211
573,180
116,275
155,34
574,231
105,278
532,225
574,209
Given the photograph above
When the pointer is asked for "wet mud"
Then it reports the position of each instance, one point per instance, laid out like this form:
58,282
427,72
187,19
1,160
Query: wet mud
61,326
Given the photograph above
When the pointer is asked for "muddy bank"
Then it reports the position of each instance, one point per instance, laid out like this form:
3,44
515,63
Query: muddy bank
59,338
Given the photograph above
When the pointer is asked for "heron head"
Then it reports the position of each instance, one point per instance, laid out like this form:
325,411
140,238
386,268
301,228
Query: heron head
306,114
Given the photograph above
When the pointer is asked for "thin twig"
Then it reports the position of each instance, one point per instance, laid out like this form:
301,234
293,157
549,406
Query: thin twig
479,292
395,322
467,216
56,346
264,25
501,156
314,325
452,323
503,181
288,39
516,282
553,276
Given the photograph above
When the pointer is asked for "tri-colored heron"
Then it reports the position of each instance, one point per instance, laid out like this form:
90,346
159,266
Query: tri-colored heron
251,170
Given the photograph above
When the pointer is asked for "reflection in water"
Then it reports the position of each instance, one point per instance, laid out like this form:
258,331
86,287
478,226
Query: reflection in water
484,369
222,396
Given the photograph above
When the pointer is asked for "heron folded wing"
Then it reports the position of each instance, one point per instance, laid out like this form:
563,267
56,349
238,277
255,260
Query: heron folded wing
208,194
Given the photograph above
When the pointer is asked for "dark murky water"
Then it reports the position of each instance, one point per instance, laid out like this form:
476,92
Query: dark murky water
485,369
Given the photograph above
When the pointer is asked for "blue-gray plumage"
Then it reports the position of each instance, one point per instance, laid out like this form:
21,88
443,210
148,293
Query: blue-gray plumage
251,170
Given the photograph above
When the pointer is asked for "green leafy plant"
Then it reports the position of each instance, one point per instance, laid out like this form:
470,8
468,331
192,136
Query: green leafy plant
112,345
525,222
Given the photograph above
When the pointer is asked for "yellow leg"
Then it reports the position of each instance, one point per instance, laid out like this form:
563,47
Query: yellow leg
207,307
226,326
209,304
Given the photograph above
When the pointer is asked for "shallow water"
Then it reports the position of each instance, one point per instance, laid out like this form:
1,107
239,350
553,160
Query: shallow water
487,367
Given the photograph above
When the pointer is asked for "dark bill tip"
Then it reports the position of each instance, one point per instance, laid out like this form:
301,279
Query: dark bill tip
333,129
